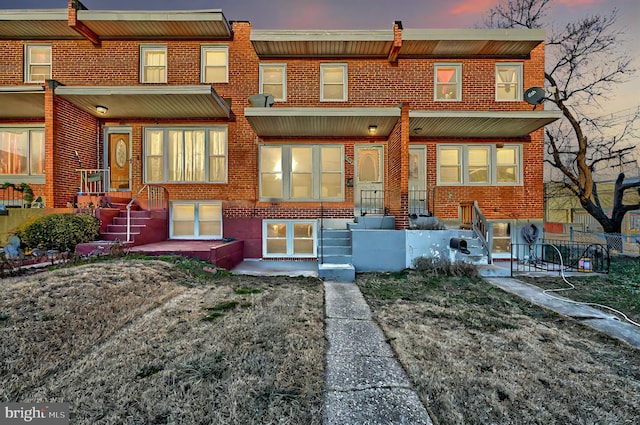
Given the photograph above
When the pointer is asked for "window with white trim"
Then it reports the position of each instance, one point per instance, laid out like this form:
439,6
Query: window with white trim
184,155
196,220
273,80
289,238
447,81
333,82
153,63
509,81
214,64
301,172
22,151
37,63
479,165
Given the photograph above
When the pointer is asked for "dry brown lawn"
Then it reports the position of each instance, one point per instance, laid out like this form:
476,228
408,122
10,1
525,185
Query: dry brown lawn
478,355
144,341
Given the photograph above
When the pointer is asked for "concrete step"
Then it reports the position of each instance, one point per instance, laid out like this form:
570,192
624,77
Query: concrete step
138,221
122,228
336,259
344,272
336,249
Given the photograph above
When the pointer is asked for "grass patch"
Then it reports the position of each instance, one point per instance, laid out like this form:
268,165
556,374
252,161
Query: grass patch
619,289
248,291
479,355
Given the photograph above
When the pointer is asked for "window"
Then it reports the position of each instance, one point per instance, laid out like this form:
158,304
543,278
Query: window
473,164
289,238
509,81
22,152
153,64
448,81
273,80
333,82
215,64
501,237
301,173
37,63
180,155
196,220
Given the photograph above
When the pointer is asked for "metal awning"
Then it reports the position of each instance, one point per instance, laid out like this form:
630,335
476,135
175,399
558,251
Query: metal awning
479,124
21,102
173,24
318,43
199,101
322,122
39,24
459,43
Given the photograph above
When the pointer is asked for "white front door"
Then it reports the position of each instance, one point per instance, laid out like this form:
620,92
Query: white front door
369,180
418,196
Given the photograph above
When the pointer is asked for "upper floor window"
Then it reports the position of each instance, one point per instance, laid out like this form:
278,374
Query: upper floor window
22,151
509,81
273,80
333,82
153,64
479,164
37,63
448,81
301,173
214,64
185,155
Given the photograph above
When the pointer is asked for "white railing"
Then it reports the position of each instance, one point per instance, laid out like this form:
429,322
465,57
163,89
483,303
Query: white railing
157,198
483,229
93,181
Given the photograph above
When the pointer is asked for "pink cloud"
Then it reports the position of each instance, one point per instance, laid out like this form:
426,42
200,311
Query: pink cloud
472,6
307,15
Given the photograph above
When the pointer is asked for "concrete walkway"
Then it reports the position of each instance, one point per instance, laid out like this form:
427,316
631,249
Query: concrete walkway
365,384
600,320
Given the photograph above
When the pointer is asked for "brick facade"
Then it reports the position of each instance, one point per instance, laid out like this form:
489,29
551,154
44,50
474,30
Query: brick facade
372,82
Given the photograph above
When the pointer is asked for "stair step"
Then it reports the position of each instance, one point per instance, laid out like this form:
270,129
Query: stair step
122,228
337,259
138,221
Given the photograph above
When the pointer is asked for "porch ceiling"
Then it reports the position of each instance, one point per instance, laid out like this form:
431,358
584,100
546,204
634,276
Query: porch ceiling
456,43
318,43
479,123
21,102
147,102
42,24
322,122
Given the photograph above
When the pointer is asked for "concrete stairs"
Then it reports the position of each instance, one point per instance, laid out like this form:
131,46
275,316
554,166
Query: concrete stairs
335,259
477,254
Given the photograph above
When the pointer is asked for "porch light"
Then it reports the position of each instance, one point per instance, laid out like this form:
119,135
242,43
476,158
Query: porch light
101,109
373,129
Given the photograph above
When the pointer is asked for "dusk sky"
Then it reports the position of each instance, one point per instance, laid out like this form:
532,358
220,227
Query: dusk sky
380,14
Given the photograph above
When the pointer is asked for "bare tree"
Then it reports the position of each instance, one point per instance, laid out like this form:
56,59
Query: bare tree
584,61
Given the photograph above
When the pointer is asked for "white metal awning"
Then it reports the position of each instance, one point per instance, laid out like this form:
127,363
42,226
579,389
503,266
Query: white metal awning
22,101
200,101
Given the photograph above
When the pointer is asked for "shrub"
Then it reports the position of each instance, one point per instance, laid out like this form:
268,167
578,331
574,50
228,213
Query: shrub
443,267
59,231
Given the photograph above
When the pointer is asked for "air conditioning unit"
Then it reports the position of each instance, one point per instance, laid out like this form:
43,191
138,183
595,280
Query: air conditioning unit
261,100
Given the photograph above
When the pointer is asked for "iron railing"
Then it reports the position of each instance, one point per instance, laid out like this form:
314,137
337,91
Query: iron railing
153,197
483,229
421,202
373,202
93,181
11,196
559,256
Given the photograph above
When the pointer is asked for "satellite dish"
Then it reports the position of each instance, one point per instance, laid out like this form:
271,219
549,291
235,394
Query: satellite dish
534,95
261,100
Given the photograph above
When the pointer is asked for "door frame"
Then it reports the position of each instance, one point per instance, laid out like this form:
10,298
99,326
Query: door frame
421,204
358,186
108,130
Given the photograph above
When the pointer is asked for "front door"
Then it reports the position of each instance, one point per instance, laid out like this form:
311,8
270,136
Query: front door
369,180
119,161
418,196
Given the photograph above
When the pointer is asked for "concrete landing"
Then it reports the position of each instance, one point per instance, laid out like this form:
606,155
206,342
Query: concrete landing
365,383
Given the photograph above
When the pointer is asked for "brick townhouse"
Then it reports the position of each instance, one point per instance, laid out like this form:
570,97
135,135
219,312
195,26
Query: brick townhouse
395,123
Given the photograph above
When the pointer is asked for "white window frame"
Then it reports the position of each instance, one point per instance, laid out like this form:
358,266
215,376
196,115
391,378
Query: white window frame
28,64
290,238
196,220
286,173
144,48
207,154
519,89
345,89
30,177
464,158
458,68
203,62
283,69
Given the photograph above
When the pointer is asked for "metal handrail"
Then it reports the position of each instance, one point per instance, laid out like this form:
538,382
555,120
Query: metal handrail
157,198
93,181
483,229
